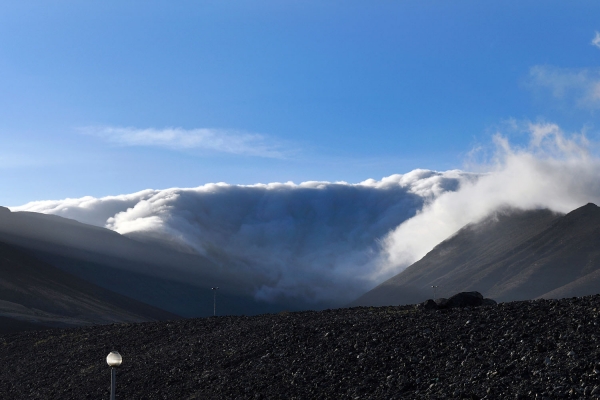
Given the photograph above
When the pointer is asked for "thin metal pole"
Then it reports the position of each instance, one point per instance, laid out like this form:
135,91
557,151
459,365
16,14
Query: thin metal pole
113,383
214,289
434,292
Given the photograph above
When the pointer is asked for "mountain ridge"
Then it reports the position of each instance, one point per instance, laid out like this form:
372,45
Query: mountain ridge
510,255
160,276
40,295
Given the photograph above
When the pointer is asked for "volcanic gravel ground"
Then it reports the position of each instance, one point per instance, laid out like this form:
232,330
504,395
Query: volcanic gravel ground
523,350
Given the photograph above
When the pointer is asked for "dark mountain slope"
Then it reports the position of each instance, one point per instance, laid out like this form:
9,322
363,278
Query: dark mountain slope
466,261
36,292
63,237
560,255
158,275
521,350
514,255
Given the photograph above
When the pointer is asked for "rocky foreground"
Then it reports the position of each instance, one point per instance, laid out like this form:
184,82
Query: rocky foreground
521,350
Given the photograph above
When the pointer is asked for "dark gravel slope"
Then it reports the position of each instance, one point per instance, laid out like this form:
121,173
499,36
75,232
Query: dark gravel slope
539,349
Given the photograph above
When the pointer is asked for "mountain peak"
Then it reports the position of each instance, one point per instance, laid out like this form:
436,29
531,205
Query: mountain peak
584,213
4,209
588,206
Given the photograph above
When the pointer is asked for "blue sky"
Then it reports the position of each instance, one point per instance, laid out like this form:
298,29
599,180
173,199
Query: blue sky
111,97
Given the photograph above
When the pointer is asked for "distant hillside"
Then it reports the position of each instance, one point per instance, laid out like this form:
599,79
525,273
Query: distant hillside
512,255
148,272
34,293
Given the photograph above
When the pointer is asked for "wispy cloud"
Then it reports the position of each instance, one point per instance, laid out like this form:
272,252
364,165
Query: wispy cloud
580,86
10,161
216,140
596,40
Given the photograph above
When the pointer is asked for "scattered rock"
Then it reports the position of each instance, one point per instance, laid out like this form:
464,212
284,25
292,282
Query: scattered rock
429,305
463,299
488,302
441,302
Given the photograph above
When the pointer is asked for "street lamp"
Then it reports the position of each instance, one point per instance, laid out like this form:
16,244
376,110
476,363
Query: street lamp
434,291
114,360
214,289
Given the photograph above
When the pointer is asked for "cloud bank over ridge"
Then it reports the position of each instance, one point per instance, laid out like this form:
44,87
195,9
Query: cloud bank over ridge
328,242
318,241
554,170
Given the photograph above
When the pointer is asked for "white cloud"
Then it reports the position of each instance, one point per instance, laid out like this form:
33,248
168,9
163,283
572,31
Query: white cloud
579,86
316,241
329,242
89,210
555,171
217,140
596,40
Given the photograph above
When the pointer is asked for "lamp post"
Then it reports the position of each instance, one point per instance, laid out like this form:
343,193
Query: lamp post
214,289
114,360
434,291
